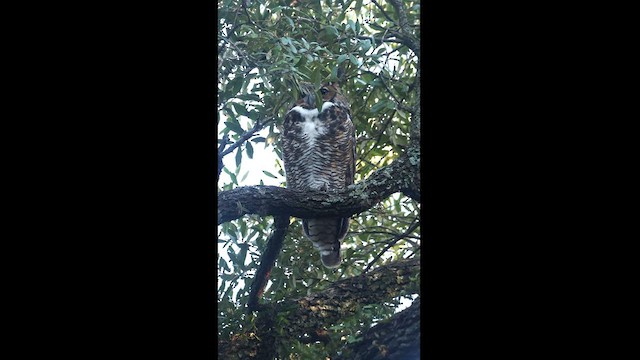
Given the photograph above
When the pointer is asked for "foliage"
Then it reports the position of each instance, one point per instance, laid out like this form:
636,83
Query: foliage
265,49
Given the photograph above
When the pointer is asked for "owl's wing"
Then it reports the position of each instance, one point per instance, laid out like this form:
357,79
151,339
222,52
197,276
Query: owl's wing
351,159
341,133
290,141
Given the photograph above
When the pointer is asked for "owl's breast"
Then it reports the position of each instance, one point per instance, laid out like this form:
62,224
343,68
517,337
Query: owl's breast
315,157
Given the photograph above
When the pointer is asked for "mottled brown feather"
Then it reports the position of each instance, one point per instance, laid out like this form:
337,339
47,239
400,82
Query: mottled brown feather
320,155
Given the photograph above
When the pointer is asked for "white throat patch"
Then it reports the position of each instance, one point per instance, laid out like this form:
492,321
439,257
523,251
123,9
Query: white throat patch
311,125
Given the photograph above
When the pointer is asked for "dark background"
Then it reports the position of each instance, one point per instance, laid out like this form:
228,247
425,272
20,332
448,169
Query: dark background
116,139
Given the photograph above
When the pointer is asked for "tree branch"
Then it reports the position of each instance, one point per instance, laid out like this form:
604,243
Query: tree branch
399,176
313,313
268,259
395,239
223,144
259,125
405,34
395,338
344,297
384,12
398,5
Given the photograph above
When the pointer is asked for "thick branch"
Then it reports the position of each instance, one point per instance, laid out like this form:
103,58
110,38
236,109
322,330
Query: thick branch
400,176
312,314
406,35
395,338
268,259
415,118
344,297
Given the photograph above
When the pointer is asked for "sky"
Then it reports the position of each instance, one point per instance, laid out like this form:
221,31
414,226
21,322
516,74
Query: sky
263,159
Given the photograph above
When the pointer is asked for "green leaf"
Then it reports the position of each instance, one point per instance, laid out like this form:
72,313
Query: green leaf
366,45
232,256
228,173
316,76
243,227
378,106
330,34
249,149
222,263
342,58
293,26
238,157
352,25
242,255
252,234
402,140
240,110
376,26
234,126
334,73
269,174
253,97
234,86
356,9
319,104
353,59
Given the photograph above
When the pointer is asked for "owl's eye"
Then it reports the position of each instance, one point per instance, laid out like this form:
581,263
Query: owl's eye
324,91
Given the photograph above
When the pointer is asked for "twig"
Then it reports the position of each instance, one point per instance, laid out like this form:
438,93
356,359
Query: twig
384,12
393,242
223,144
257,127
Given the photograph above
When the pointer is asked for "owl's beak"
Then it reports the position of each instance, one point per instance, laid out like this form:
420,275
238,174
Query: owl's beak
310,99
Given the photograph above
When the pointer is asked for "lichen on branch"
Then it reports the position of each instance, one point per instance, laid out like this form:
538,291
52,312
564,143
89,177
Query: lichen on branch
400,176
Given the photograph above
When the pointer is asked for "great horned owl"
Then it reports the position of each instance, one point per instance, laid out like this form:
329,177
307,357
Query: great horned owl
319,154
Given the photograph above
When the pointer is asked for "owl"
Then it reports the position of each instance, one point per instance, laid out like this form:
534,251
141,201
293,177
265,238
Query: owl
319,154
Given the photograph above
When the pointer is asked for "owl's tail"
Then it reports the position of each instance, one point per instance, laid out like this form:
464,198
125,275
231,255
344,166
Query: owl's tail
325,234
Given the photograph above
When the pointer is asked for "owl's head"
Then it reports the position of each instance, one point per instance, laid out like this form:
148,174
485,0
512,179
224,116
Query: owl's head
331,92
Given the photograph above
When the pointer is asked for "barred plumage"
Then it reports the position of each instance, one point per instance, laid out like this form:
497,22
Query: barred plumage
319,153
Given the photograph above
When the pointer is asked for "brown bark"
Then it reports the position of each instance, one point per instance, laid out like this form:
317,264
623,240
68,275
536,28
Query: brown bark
395,338
400,176
313,314
268,260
